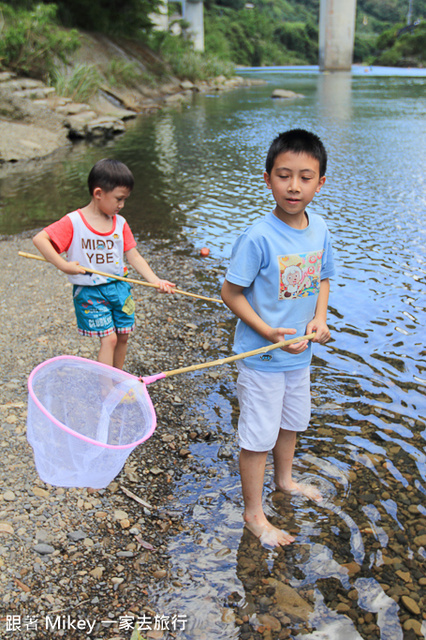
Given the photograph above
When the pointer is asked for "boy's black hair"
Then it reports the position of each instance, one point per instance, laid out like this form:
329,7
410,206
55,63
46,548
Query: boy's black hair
109,174
298,141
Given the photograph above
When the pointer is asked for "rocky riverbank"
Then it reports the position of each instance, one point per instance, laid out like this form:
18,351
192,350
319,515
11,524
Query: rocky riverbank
93,556
35,121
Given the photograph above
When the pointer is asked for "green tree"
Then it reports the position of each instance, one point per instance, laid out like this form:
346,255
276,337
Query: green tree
32,41
402,46
114,17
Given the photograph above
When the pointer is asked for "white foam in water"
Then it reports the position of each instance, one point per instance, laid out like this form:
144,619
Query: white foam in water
371,597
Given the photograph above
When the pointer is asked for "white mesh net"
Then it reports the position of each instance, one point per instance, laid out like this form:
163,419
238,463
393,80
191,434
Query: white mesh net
84,419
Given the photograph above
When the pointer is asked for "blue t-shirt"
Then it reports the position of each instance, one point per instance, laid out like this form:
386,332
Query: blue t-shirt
280,269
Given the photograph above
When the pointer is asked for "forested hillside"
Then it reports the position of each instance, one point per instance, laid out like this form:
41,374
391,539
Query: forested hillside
265,32
37,35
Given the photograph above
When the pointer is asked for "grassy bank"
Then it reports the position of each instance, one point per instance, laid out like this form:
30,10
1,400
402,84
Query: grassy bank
34,43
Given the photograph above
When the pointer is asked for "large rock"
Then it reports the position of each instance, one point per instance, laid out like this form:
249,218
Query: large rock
26,141
77,123
285,94
289,602
104,126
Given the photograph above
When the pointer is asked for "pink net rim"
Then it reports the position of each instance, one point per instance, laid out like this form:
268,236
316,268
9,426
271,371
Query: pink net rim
62,426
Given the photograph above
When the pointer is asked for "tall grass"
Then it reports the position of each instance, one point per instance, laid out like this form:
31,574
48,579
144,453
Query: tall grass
81,84
122,73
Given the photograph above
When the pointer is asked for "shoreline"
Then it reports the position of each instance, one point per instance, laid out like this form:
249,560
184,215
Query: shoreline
75,551
35,122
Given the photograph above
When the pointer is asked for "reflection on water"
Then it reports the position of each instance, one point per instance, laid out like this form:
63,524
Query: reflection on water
335,96
357,568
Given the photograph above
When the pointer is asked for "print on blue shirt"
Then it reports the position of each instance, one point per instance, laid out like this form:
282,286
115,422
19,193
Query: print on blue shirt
300,275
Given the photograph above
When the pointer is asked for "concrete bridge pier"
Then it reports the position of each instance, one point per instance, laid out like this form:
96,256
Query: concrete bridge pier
194,14
336,34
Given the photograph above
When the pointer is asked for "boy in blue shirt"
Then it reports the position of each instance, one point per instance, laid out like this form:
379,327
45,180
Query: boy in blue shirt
277,284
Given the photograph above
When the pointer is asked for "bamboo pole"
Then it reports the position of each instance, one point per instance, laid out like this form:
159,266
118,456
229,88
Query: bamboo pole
125,279
239,356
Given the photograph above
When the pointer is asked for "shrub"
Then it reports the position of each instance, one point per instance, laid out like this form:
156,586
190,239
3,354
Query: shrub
31,41
184,62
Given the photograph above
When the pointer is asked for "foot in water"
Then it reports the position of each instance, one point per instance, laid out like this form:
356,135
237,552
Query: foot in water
268,534
298,488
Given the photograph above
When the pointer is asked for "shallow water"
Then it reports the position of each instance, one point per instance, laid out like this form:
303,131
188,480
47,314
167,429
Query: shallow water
361,551
363,548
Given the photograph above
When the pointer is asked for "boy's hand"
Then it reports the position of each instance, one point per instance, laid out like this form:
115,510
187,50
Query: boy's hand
321,329
165,286
280,334
72,268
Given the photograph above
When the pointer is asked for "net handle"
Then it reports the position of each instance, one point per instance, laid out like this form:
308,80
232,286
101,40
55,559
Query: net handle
239,356
24,254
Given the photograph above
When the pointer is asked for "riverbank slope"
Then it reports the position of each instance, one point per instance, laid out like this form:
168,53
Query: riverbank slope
35,120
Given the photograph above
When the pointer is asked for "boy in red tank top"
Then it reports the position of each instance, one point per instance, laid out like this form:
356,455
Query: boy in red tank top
98,237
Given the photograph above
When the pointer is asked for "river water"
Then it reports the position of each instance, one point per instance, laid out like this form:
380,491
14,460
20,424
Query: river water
359,557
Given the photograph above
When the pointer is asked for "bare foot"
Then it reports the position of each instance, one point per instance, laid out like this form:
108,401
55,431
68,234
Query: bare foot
298,488
268,534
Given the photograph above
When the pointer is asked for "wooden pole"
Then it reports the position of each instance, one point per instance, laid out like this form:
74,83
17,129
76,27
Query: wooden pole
239,356
125,279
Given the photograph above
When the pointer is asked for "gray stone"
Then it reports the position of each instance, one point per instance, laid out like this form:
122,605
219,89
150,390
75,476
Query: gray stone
44,549
104,127
36,93
75,536
73,108
77,123
187,85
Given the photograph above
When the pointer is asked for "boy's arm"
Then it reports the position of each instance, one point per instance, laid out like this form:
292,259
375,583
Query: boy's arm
139,263
319,321
233,297
44,244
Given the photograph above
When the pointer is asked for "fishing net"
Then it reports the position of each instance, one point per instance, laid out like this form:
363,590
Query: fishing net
84,419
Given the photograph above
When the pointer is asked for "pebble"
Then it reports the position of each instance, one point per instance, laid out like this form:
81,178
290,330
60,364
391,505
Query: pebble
41,493
159,574
43,548
411,605
120,515
75,536
413,625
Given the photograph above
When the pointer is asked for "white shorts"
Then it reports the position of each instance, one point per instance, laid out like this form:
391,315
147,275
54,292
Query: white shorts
270,401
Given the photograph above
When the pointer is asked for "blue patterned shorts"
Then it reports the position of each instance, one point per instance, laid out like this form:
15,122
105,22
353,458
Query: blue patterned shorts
105,308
